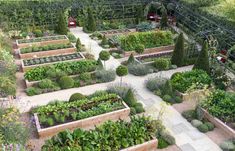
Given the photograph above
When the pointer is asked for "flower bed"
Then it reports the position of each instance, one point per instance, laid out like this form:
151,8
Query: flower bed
135,41
69,68
190,81
45,61
23,43
48,50
85,113
134,135
221,104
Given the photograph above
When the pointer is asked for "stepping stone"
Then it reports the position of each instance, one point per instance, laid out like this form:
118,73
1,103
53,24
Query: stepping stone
187,147
179,128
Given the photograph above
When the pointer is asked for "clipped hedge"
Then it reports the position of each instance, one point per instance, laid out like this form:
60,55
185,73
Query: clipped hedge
69,68
147,39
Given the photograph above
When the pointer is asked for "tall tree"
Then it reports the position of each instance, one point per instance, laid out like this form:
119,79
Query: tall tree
62,24
164,19
90,21
179,54
203,59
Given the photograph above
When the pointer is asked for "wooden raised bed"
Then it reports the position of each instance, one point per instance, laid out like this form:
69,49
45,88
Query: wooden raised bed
150,50
87,123
146,146
26,68
218,123
111,33
47,53
42,43
194,96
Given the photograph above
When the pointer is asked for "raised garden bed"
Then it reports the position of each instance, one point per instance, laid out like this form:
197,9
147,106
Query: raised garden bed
45,61
84,113
110,33
193,96
136,135
23,43
48,50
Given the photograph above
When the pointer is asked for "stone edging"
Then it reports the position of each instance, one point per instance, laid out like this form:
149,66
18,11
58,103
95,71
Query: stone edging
218,123
84,123
146,146
193,96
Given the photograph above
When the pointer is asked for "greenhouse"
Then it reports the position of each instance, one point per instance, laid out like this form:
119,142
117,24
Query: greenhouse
117,75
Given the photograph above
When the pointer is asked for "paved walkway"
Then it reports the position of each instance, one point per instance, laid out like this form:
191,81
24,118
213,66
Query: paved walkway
187,137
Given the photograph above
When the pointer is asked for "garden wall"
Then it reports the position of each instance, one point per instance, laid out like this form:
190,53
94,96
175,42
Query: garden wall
42,43
151,50
194,96
87,123
218,123
147,146
47,53
26,68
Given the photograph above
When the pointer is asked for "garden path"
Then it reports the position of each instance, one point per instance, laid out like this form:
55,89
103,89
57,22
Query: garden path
187,137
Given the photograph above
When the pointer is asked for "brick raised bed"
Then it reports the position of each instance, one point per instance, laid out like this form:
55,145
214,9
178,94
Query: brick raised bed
194,96
87,123
146,146
218,123
42,43
150,50
26,68
47,53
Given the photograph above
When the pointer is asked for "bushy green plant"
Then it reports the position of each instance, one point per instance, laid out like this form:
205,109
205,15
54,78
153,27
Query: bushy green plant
66,82
33,91
227,145
130,98
131,59
139,48
196,123
45,84
71,37
50,121
178,99
167,137
105,75
38,33
139,108
221,104
78,44
210,126
184,81
104,56
162,63
132,111
167,98
203,128
86,77
152,39
189,115
138,69
61,27
76,97
121,71
154,84
90,25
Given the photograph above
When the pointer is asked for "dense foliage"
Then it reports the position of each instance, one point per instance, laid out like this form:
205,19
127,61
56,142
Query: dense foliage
63,112
40,39
190,80
147,39
109,136
69,68
221,104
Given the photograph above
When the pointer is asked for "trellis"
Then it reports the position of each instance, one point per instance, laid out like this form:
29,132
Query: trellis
202,27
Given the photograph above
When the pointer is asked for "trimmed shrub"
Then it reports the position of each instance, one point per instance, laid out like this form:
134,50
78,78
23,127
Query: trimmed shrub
139,48
131,59
62,24
203,128
161,63
167,98
167,137
138,69
66,82
45,84
38,33
76,97
202,62
167,88
196,123
121,71
210,126
158,92
178,99
105,75
162,143
33,91
139,108
90,21
85,77
227,146
189,115
78,45
130,98
179,54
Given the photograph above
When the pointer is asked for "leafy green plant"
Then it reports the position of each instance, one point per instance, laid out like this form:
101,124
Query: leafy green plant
162,63
121,71
76,97
105,75
139,69
66,82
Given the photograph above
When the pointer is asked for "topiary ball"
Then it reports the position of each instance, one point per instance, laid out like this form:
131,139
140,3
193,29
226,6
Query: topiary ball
76,97
139,108
203,128
167,98
66,82
196,123
178,99
210,126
